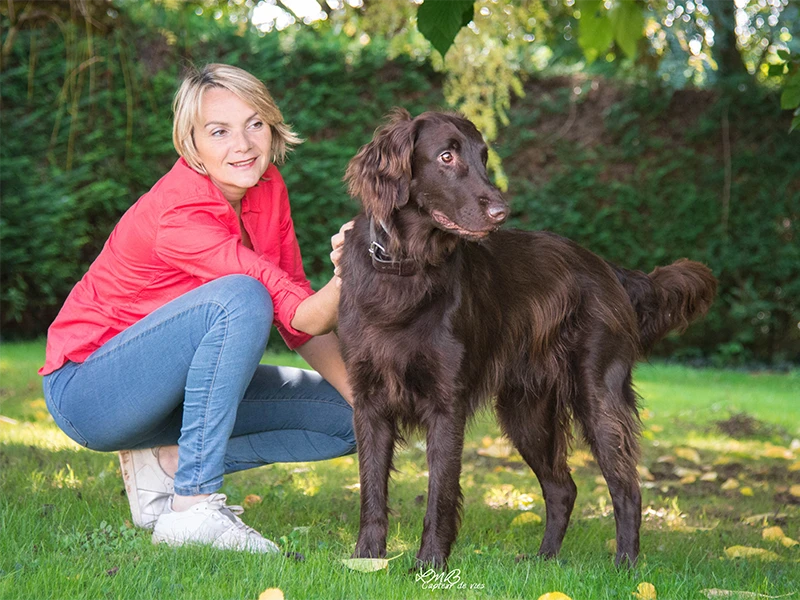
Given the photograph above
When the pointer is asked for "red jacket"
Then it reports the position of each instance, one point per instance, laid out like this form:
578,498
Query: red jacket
179,235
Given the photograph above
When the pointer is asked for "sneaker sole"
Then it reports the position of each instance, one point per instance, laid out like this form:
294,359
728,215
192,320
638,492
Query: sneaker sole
128,477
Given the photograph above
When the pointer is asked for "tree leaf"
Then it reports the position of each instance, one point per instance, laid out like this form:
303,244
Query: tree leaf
554,596
627,22
525,518
717,593
271,594
645,591
790,97
773,534
747,552
441,20
595,31
368,565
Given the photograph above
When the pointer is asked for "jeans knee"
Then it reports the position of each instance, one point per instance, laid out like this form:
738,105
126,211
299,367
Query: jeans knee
247,295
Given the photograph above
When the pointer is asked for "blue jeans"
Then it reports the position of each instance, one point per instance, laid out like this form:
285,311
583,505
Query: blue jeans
189,374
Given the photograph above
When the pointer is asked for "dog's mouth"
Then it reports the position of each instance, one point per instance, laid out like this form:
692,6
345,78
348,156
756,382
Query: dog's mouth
449,225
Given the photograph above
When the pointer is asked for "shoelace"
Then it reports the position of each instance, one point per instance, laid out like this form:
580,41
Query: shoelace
217,501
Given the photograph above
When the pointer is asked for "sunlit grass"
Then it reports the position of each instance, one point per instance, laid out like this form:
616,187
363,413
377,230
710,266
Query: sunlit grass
66,532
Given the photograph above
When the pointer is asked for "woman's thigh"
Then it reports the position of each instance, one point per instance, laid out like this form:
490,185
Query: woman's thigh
129,390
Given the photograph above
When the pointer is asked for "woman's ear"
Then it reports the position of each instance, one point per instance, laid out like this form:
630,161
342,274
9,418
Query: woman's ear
380,174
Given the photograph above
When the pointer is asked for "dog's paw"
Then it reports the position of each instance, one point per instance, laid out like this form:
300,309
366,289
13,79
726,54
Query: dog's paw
369,549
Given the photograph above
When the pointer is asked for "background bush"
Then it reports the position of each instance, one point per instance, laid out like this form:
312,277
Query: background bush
639,174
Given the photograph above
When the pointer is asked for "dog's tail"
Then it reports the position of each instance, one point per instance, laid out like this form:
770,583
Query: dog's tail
669,298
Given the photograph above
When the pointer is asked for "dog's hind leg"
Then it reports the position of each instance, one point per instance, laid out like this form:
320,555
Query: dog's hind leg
375,436
540,435
606,409
445,443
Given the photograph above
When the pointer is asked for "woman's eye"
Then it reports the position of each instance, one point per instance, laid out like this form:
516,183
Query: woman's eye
257,125
446,157
218,133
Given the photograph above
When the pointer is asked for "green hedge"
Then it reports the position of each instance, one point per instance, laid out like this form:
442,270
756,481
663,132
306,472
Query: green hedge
633,173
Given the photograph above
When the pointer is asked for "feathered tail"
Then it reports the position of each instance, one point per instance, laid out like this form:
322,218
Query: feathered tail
669,298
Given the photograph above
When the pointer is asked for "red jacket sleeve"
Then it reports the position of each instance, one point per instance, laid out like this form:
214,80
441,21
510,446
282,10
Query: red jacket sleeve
200,236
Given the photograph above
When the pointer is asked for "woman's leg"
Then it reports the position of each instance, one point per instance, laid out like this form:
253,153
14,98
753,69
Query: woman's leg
287,415
197,353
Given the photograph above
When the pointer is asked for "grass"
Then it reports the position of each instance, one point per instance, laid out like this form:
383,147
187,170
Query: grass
718,446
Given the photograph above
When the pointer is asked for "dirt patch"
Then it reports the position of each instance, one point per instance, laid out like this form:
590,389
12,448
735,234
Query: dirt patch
742,425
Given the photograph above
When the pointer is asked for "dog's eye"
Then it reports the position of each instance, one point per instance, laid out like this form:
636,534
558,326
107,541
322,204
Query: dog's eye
446,157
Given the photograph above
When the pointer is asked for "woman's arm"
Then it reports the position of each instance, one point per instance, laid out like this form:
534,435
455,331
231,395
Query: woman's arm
318,314
322,353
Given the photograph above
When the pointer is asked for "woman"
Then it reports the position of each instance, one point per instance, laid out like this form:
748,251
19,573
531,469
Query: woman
156,350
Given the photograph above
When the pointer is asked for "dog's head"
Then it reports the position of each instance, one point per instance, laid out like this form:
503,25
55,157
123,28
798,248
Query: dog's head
436,161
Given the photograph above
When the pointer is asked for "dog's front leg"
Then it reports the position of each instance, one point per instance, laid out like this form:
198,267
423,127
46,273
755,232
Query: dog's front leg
375,436
445,444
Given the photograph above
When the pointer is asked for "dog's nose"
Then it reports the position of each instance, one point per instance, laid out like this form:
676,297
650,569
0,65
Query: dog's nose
497,211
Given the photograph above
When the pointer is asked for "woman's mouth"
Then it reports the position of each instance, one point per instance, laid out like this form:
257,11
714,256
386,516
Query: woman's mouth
243,164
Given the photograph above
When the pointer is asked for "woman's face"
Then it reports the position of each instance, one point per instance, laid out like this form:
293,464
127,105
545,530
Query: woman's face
233,143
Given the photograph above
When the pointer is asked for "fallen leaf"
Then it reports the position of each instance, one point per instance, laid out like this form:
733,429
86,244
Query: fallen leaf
645,591
716,593
611,545
795,466
747,552
789,542
525,518
368,565
778,452
730,484
644,473
689,454
554,596
773,534
762,518
271,594
795,491
251,500
746,491
710,476
112,571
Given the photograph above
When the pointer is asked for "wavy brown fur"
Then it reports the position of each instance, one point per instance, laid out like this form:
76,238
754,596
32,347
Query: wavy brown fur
543,326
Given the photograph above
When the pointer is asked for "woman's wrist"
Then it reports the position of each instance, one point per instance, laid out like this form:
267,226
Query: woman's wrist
318,314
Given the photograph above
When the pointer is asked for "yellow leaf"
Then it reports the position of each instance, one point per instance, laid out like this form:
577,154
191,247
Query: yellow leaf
656,428
688,479
689,454
747,552
789,542
710,476
746,491
368,565
736,595
772,534
251,500
611,546
271,594
645,591
645,414
554,596
795,491
795,466
525,518
730,484
778,452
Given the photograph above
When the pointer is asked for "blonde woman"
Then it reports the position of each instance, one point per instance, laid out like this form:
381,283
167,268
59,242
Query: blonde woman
156,351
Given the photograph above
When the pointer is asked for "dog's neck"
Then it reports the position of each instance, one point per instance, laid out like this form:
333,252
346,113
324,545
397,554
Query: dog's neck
379,240
408,237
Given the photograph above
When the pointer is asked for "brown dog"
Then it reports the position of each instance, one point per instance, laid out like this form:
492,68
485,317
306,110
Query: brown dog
440,312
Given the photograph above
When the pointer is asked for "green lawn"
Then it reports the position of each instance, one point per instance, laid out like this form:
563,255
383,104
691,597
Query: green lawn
718,447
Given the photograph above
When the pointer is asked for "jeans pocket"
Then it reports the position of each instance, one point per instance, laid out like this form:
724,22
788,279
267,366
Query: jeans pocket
52,399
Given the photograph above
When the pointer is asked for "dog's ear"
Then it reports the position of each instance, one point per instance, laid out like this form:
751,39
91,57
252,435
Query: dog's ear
380,174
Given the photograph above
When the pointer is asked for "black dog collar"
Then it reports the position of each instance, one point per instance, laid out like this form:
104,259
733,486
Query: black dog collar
382,261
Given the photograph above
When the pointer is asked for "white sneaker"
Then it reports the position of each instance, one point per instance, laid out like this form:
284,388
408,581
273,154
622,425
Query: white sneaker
148,487
211,523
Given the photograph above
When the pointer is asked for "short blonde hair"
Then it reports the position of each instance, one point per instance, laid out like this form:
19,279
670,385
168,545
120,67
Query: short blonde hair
188,104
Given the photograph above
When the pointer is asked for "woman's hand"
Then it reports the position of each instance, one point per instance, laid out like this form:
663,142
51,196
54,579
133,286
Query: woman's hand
337,243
